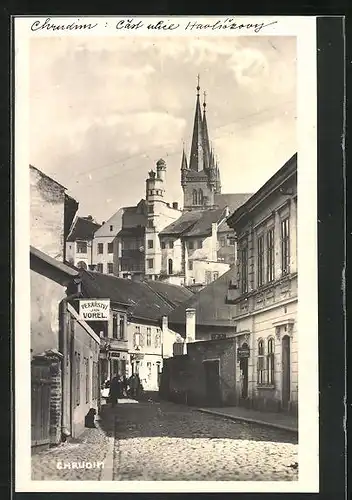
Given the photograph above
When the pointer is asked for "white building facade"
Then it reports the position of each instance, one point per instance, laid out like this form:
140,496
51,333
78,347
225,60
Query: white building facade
265,295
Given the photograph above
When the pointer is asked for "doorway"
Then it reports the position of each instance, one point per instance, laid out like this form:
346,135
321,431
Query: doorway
244,373
212,382
286,372
170,269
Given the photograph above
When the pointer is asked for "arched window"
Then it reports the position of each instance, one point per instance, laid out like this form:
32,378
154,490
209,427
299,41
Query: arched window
270,365
260,365
170,266
195,197
200,197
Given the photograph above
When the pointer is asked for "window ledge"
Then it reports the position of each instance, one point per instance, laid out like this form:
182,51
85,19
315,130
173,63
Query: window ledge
265,386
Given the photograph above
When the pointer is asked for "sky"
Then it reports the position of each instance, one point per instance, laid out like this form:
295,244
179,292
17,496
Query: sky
104,110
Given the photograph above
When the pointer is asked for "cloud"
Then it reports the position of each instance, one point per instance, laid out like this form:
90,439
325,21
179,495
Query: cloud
110,107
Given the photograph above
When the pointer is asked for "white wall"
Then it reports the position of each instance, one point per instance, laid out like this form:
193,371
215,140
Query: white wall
105,257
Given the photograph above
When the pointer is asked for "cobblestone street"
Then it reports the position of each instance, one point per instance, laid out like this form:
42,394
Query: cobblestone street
164,441
171,442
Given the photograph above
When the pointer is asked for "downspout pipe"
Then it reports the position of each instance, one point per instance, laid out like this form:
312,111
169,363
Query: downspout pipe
65,348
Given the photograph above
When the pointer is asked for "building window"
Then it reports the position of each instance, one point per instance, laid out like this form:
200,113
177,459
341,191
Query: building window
122,327
222,242
100,247
285,246
270,362
191,245
100,267
110,268
232,241
200,197
170,266
260,263
81,246
171,244
163,245
207,277
149,337
115,326
200,244
111,228
110,247
270,270
215,275
150,263
150,244
157,339
244,270
190,265
150,224
195,197
261,368
150,209
137,337
87,380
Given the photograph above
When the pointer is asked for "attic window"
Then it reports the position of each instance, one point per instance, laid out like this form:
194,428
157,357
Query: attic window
111,228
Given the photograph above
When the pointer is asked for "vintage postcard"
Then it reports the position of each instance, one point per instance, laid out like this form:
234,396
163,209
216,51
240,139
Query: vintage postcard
166,254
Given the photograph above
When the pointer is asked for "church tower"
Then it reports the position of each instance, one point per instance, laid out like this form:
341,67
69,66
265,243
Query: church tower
200,178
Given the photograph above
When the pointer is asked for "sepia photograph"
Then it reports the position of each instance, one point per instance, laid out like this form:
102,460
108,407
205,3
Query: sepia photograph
163,208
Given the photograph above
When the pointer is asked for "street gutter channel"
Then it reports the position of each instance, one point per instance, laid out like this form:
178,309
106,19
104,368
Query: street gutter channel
249,420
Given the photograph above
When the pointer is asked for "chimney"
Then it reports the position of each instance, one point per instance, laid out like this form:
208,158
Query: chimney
175,205
164,323
190,325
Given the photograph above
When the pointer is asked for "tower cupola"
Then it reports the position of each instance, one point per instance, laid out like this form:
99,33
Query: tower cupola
161,169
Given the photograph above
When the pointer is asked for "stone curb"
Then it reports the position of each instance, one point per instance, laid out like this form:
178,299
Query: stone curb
108,470
249,420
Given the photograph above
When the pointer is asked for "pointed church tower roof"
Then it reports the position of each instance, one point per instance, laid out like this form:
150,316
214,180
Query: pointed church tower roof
184,164
206,144
218,180
196,161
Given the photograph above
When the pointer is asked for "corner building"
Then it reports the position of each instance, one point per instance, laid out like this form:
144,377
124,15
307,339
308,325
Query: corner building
264,294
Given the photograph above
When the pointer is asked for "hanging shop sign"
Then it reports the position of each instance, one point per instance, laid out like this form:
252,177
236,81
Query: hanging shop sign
243,352
94,310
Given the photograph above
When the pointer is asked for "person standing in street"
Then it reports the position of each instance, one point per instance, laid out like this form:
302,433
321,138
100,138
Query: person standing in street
115,390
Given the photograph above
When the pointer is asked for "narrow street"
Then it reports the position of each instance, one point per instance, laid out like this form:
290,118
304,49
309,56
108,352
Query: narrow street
164,441
151,441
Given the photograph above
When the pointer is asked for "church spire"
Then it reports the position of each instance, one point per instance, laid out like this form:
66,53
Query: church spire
206,145
196,161
184,166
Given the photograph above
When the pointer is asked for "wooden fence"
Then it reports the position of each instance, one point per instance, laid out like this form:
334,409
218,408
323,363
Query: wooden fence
40,404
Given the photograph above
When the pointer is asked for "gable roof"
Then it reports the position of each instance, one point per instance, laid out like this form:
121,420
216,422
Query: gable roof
58,271
42,174
142,301
174,294
209,303
186,221
204,223
233,201
83,229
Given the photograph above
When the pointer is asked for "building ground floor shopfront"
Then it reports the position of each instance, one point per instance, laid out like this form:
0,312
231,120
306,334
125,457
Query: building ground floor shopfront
114,363
267,360
149,368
